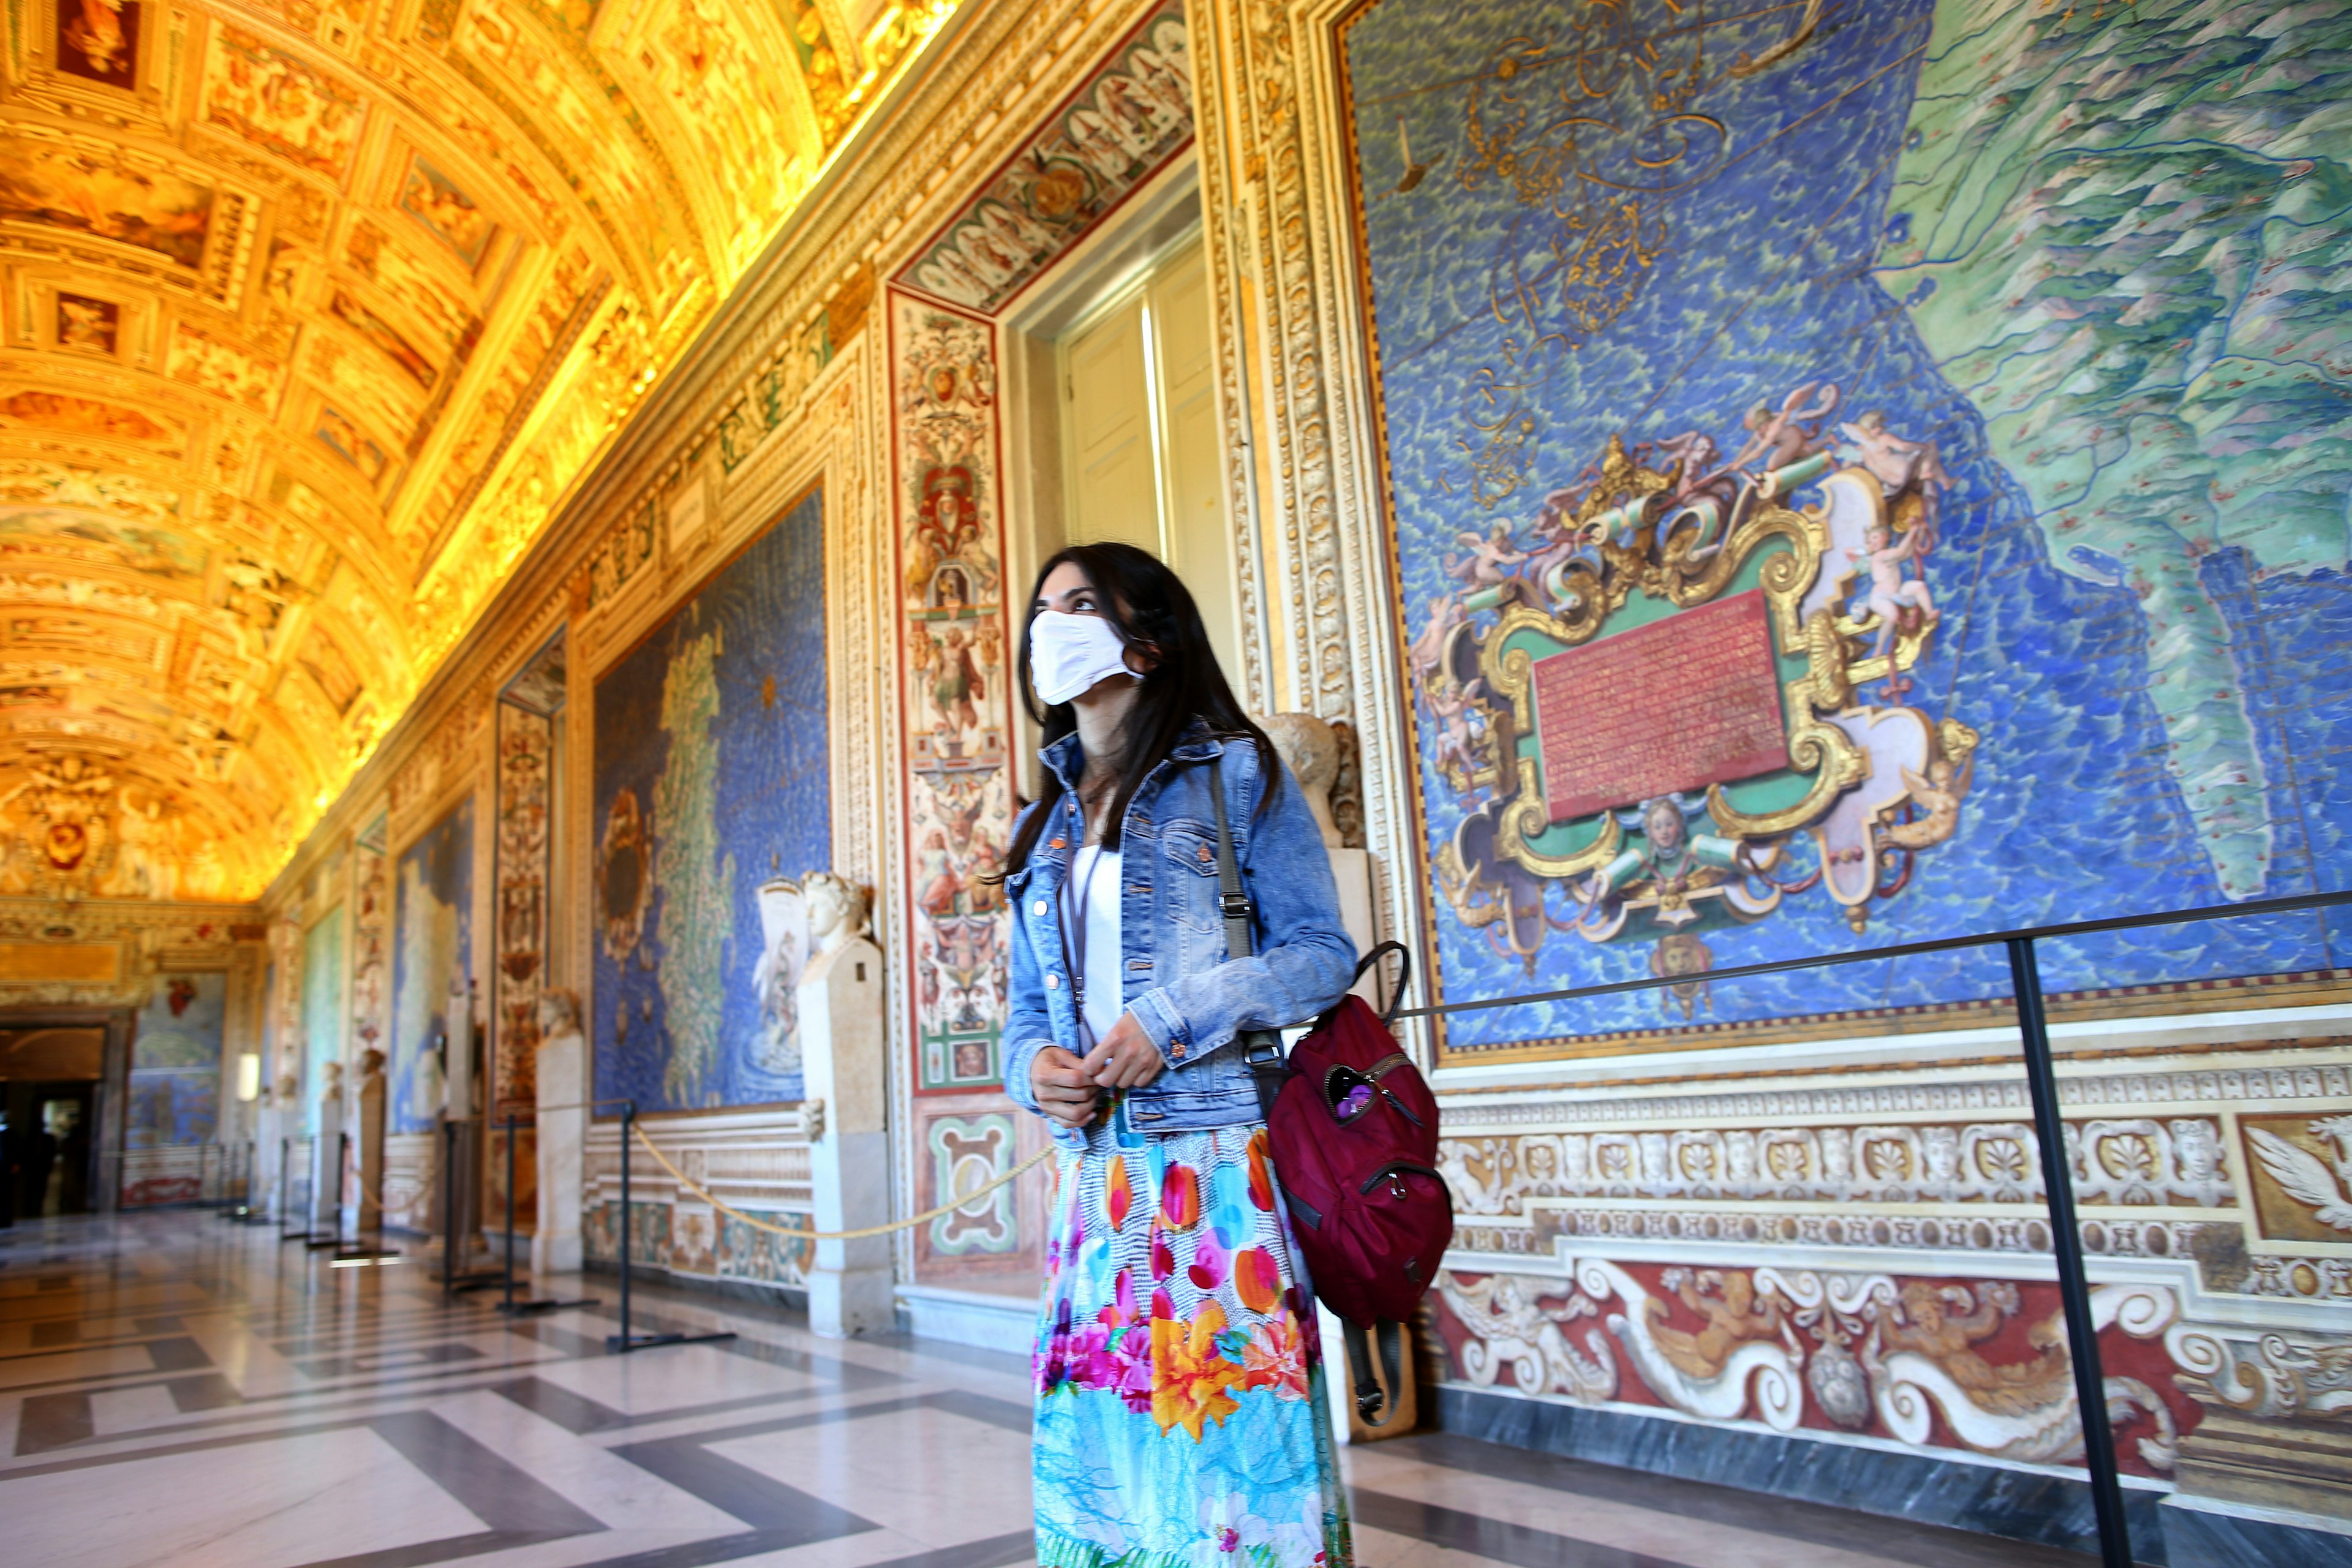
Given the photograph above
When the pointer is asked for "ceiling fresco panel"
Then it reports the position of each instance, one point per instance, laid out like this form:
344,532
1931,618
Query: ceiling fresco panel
310,318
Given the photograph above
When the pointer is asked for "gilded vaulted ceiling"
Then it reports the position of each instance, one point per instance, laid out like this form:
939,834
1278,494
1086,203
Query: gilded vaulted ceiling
312,313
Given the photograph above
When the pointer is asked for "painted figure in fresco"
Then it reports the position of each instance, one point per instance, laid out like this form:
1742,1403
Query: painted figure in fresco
621,874
96,29
1890,592
1461,730
1937,795
1899,464
1445,613
85,324
936,882
1163,80
986,257
950,275
1669,861
1143,117
1734,1309
1778,437
776,978
955,684
1100,145
1485,562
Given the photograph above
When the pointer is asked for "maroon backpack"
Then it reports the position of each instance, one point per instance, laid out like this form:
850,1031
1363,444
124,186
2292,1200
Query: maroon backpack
1351,1128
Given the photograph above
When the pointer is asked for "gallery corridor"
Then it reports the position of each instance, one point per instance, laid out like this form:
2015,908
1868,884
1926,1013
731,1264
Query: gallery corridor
178,1390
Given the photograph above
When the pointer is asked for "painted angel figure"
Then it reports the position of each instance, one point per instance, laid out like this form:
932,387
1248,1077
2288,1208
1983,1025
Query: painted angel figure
1937,794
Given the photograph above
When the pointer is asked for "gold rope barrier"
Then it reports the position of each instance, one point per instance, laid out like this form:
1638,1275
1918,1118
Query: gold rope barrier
682,1180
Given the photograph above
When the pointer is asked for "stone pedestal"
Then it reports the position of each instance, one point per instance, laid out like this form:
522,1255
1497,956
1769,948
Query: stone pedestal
562,1069
849,1159
267,1157
1352,869
326,1217
369,1199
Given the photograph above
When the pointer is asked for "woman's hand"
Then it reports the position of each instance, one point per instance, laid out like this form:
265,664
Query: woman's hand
1063,1088
1124,1058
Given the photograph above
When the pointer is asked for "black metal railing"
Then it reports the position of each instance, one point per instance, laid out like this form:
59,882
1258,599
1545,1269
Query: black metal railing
2021,948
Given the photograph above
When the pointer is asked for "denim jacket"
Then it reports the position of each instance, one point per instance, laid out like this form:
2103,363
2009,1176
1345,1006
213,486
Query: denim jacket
1189,997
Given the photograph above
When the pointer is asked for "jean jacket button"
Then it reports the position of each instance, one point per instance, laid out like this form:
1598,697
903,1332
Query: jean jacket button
1053,981
1038,909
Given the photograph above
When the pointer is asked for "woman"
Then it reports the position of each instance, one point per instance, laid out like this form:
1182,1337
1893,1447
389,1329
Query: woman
1179,1406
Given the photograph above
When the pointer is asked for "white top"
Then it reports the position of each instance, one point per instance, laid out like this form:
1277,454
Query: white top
1099,893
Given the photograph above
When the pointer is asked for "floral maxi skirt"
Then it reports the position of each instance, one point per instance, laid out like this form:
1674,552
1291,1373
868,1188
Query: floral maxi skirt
1180,1408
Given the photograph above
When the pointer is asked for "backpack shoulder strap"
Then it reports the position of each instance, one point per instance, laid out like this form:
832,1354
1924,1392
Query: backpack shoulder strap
1261,1049
1231,898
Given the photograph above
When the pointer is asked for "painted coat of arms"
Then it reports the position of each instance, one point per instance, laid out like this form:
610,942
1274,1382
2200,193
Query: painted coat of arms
1680,676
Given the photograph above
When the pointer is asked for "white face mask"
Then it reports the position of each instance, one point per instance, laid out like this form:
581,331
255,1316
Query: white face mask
1068,655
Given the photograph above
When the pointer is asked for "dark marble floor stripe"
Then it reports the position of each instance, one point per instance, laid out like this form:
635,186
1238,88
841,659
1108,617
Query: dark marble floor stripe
831,1369
793,1517
1903,1540
440,1353
575,1412
556,1337
579,1414
449,1549
165,1450
993,1552
501,1494
833,1417
178,1354
710,1549
973,1407
53,1420
1522,1546
206,1391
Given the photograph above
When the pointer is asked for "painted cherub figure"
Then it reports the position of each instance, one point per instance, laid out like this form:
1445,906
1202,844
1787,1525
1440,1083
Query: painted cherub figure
1890,591
1898,464
1779,436
1486,564
1458,726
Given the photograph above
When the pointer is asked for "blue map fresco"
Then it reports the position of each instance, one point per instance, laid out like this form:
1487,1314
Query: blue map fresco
433,940
712,803
2100,269
175,1061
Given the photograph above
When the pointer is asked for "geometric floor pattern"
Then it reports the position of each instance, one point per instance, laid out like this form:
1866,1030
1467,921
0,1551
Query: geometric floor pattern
178,1390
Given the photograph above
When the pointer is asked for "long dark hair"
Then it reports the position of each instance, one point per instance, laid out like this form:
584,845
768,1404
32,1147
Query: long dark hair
1152,611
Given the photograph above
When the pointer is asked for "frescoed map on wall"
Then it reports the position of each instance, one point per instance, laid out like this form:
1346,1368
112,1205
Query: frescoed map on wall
433,943
712,803
1859,474
323,1016
175,1062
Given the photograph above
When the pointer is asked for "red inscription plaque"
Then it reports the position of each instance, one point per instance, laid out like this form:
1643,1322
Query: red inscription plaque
1678,704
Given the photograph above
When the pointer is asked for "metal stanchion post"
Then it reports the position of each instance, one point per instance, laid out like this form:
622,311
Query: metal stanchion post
285,1191
452,1281
334,1238
508,1305
448,1208
540,1304
2066,1248
625,1342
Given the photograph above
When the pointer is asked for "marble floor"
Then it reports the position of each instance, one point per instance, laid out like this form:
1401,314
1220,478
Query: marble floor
176,1389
